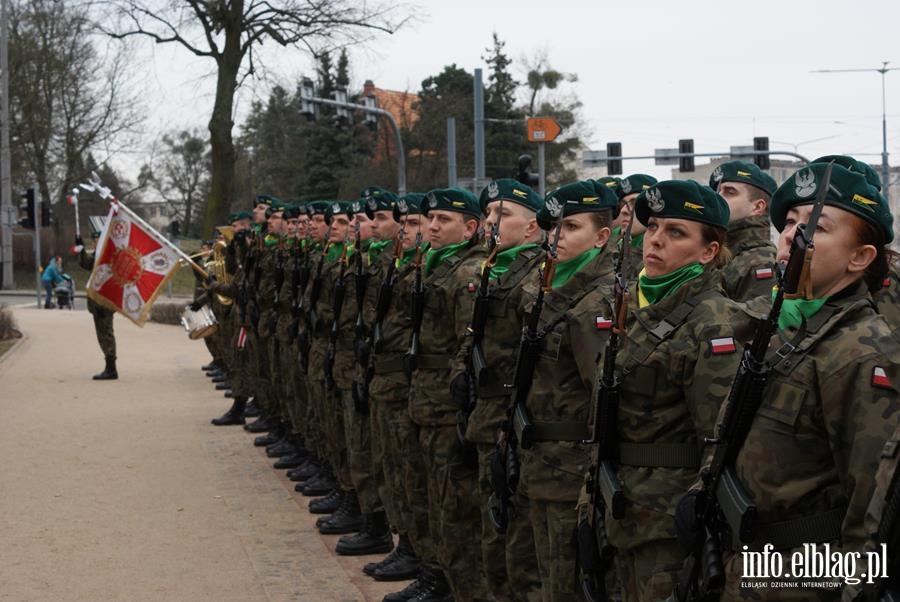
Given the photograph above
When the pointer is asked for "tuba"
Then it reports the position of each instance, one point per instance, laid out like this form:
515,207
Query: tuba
217,265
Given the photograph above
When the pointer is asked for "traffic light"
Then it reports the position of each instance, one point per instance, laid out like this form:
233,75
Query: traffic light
175,228
308,108
371,119
27,205
524,176
613,166
343,113
686,147
46,214
761,143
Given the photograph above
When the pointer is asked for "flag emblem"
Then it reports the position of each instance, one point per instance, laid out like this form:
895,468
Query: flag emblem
886,282
242,338
880,379
471,287
723,345
602,323
763,273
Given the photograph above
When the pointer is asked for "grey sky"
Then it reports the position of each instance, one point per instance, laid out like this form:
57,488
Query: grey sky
650,72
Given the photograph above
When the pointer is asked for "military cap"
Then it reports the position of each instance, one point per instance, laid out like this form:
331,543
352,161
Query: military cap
509,190
317,207
239,215
742,171
458,200
611,182
377,199
848,190
409,204
854,164
266,199
682,199
292,210
637,182
578,197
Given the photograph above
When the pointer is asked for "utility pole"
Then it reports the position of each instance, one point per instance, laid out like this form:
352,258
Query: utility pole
451,151
885,168
478,95
7,211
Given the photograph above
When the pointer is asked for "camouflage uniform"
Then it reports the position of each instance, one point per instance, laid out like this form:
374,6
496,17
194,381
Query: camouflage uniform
103,318
888,298
751,271
242,339
454,516
676,365
503,329
267,351
576,319
811,454
287,366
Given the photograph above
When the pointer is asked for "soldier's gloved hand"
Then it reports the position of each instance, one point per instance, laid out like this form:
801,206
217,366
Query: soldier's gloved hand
195,306
210,278
79,242
687,521
459,390
240,237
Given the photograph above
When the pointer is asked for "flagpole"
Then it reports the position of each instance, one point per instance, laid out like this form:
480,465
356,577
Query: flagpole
184,256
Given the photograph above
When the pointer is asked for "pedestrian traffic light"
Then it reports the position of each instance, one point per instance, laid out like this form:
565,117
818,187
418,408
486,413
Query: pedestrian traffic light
761,143
46,214
308,108
371,118
342,113
27,205
613,166
686,147
524,176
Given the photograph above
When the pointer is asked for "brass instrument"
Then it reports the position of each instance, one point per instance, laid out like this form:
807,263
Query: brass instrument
217,265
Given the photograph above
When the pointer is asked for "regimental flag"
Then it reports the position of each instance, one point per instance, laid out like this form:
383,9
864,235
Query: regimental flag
132,263
723,345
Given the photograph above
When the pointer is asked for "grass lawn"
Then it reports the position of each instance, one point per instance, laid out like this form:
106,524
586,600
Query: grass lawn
6,346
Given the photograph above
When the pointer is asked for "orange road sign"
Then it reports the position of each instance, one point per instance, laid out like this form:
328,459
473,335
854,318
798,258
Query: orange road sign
543,129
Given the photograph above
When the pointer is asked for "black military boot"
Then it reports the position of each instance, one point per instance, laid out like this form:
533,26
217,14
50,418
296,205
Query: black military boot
109,373
263,424
252,410
233,416
402,563
328,504
223,386
292,460
437,590
412,590
285,445
348,518
213,365
305,471
373,538
219,377
321,484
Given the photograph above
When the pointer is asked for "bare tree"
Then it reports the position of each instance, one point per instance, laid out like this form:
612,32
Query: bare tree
228,32
68,97
182,176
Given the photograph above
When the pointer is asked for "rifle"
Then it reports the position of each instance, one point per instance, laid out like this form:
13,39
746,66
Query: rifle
361,281
337,305
417,309
603,486
476,365
299,280
703,575
516,432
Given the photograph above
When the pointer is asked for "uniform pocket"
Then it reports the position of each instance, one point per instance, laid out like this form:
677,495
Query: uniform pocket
783,402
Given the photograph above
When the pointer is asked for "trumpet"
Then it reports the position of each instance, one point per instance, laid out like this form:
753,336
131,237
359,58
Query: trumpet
217,266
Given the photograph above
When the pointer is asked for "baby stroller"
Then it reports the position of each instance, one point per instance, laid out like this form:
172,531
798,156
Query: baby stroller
65,292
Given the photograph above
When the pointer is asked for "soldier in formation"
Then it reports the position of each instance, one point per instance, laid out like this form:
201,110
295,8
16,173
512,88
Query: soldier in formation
432,369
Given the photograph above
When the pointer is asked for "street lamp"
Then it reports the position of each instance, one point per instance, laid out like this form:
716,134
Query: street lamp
798,144
885,169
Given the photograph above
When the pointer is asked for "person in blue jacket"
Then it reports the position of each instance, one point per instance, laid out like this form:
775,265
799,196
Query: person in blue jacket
50,277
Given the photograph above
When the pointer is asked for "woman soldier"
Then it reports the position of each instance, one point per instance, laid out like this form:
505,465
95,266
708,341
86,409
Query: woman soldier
574,324
676,364
831,400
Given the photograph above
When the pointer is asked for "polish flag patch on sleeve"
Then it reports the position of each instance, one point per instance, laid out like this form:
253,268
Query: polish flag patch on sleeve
242,338
886,282
763,273
471,287
723,345
880,379
602,323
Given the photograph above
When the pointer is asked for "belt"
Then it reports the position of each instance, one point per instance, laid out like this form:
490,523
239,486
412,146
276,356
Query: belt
389,364
433,361
794,532
659,455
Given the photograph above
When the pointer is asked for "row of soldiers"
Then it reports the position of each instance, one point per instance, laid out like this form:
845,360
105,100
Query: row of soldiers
532,393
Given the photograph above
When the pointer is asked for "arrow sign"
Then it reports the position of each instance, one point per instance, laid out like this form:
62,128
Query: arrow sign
543,129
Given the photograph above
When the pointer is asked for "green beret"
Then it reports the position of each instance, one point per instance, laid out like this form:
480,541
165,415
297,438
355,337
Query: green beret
266,199
848,190
378,199
239,215
452,199
637,182
317,207
274,207
409,204
291,211
853,164
742,171
509,190
682,199
578,197
611,182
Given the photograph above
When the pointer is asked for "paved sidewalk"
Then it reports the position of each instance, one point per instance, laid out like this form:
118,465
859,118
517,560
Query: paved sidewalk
123,490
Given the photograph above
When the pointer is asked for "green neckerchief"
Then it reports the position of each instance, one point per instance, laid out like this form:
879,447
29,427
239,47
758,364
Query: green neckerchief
409,253
637,241
655,289
568,268
375,249
795,311
334,252
289,243
435,257
270,240
504,259
615,232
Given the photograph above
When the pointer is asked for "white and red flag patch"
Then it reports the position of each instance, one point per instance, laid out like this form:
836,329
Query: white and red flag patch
132,263
880,379
886,282
723,345
603,323
763,273
242,337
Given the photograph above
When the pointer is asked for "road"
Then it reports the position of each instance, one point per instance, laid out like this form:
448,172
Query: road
123,490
